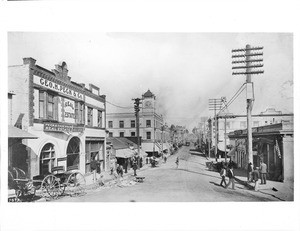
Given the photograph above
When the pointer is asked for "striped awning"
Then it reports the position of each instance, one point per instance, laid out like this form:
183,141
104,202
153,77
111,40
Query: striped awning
124,153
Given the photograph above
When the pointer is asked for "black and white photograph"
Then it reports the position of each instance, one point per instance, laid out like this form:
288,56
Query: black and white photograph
150,117
114,121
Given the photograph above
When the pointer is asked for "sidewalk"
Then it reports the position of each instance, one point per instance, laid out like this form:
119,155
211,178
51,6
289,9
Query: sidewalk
283,191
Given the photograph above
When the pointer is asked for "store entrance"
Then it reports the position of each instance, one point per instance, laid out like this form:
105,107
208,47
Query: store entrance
73,151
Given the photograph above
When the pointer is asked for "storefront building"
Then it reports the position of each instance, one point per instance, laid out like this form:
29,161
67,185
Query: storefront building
273,144
67,118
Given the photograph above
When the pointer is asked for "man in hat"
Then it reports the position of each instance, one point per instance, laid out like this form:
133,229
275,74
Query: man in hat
249,171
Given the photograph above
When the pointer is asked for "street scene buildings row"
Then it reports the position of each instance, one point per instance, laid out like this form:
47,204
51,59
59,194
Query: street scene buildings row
54,121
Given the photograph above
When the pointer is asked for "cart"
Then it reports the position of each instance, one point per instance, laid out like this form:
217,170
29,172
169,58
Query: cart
48,186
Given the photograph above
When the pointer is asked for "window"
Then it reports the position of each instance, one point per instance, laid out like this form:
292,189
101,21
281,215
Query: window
47,159
121,134
227,125
110,134
50,107
255,123
132,133
79,112
99,118
41,104
148,135
132,123
121,124
110,124
148,123
243,124
47,106
90,116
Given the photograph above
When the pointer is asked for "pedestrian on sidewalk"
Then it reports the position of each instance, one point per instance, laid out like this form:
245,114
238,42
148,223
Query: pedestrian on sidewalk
165,159
223,175
94,169
177,162
134,165
120,170
255,174
263,172
231,177
249,171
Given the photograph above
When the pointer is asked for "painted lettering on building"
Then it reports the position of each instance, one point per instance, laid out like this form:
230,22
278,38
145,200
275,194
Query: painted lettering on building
57,87
60,127
69,106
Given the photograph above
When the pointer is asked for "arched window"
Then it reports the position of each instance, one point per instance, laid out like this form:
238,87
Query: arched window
73,151
47,159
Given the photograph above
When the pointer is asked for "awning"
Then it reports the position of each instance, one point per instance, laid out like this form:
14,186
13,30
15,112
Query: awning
14,132
221,147
124,153
148,147
166,146
231,152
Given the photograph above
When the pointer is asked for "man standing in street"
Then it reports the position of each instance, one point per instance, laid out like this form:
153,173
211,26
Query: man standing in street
255,178
231,177
223,175
249,170
263,172
134,165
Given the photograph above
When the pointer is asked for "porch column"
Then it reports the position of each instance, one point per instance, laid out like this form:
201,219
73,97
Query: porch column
287,156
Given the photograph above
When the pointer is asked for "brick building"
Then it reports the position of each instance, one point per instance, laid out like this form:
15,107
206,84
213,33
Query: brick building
67,118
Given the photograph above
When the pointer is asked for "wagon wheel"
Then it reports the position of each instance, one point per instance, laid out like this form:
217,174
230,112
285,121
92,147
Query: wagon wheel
76,183
50,187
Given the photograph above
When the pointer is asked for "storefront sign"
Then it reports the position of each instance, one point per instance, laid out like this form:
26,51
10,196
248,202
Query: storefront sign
59,127
57,87
69,108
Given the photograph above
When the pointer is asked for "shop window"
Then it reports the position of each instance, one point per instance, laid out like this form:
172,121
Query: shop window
73,151
121,134
121,124
93,152
132,133
148,134
110,134
99,118
132,123
110,124
148,123
47,159
90,116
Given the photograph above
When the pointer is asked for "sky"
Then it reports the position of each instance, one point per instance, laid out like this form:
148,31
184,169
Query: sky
183,70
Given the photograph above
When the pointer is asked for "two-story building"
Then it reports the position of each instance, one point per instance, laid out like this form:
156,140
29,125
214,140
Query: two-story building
67,118
154,134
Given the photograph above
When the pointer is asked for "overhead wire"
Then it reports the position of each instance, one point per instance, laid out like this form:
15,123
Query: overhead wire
118,105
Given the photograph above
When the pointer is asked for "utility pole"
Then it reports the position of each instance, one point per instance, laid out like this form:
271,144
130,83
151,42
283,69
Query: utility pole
136,112
245,56
215,104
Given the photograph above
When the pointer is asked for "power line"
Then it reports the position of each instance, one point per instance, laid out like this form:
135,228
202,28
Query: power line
118,105
233,98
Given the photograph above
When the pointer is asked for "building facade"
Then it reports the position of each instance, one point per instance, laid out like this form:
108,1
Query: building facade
67,118
154,133
273,144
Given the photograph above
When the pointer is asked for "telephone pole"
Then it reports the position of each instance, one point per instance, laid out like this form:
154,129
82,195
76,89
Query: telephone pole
215,104
249,59
136,112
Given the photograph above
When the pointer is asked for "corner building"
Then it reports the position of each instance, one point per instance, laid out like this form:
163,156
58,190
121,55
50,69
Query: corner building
67,118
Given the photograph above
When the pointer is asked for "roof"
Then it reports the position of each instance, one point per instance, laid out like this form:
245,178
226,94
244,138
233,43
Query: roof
14,132
121,142
148,94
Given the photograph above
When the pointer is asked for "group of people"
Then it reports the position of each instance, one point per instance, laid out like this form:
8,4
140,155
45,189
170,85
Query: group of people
254,173
230,175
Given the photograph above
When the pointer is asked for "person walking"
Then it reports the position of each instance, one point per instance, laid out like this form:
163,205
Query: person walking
231,177
165,159
134,165
177,162
223,175
120,170
255,177
249,171
263,172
